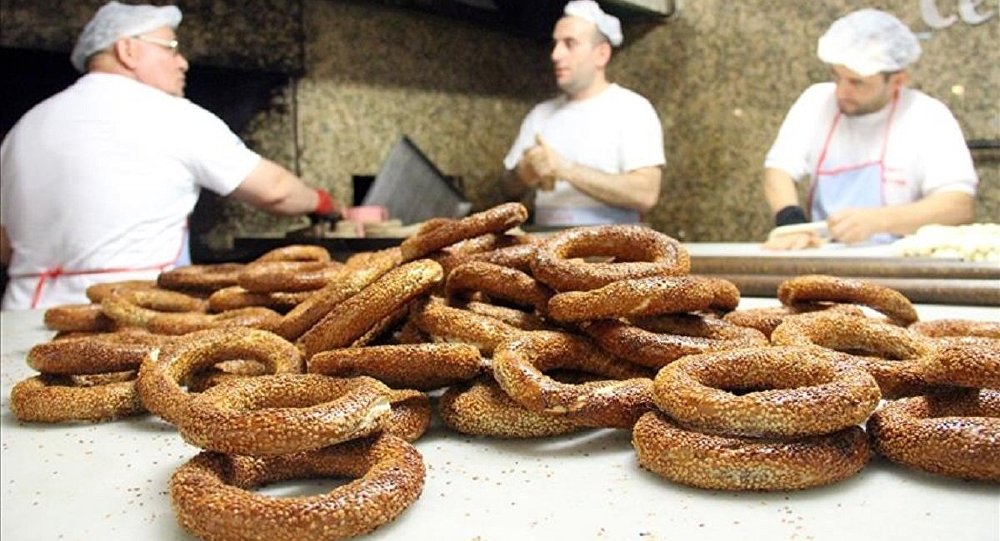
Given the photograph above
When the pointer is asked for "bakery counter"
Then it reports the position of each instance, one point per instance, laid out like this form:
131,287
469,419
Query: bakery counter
757,272
109,481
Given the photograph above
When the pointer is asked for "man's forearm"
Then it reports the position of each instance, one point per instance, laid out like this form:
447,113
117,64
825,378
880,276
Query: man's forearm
946,208
779,190
638,189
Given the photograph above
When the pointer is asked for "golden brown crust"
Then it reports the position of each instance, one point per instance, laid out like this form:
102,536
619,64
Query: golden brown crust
201,277
287,276
361,312
766,319
719,462
410,416
78,318
59,399
495,220
638,251
296,252
953,434
790,391
892,354
359,271
283,413
137,307
255,317
98,292
520,363
964,361
411,366
97,354
212,499
822,288
482,408
163,371
650,296
939,328
497,282
235,297
450,324
658,341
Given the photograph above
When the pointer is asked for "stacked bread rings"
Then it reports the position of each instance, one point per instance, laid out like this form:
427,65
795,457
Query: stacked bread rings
525,337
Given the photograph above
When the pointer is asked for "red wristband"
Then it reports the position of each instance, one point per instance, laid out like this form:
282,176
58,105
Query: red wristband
325,204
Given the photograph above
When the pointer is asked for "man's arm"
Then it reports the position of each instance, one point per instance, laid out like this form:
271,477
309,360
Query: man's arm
5,248
274,189
638,189
783,199
857,225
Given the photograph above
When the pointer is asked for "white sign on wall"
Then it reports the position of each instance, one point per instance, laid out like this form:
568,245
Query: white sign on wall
968,11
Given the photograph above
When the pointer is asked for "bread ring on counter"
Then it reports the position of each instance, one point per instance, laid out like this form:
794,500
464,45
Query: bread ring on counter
284,413
660,340
638,252
256,317
951,434
822,288
450,324
766,319
136,308
163,370
223,371
456,254
770,392
58,399
78,318
296,252
411,366
287,276
520,363
495,220
212,498
410,416
201,277
235,297
939,328
482,408
359,313
497,282
719,462
98,292
650,296
894,355
359,272
96,354
964,361
526,321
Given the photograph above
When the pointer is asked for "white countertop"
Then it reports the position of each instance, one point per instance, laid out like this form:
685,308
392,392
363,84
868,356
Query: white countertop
109,481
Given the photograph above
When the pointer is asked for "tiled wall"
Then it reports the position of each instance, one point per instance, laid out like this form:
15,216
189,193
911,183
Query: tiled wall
720,73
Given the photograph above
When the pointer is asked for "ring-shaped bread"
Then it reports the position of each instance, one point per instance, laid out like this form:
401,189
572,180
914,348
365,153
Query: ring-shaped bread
771,392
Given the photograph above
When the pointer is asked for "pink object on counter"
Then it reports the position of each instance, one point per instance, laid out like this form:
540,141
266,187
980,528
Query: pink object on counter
366,214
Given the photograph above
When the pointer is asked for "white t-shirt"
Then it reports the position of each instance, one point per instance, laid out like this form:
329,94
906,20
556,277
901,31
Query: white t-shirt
926,151
101,177
615,131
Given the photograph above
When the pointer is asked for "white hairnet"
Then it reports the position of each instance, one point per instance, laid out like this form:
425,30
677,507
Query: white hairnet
115,21
869,41
606,24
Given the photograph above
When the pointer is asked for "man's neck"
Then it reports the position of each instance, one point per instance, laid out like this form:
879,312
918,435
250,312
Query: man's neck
599,85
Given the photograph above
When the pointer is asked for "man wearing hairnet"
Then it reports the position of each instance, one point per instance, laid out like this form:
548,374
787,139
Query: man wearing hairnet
98,180
883,159
594,154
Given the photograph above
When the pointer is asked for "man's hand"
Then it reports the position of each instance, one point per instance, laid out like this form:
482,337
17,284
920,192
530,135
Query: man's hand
545,164
793,241
854,225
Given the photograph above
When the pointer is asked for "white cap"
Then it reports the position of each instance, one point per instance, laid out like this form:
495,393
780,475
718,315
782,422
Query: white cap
115,21
869,41
609,25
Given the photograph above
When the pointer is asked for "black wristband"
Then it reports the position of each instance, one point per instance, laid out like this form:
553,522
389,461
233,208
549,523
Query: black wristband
792,214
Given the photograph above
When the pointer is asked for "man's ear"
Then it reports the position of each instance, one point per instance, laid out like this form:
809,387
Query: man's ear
126,52
603,51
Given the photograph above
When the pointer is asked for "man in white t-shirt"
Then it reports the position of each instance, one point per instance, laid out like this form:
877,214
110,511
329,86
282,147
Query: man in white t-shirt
883,159
98,180
594,154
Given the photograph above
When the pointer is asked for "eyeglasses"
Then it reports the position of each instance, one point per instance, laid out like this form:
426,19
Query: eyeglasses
169,44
